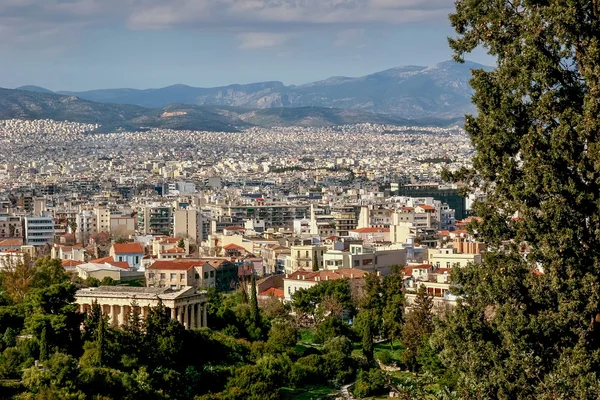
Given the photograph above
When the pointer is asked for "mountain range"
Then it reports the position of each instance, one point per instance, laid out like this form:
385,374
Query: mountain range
434,95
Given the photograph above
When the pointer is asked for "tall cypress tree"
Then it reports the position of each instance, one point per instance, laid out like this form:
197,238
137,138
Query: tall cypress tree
101,342
418,326
255,313
518,332
44,344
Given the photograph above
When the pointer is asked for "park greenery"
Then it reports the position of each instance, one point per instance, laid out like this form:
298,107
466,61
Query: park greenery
330,335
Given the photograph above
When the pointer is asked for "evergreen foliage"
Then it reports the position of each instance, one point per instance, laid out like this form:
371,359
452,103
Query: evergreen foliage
519,333
418,326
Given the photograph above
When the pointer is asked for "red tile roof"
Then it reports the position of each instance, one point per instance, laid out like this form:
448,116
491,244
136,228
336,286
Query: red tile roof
128,248
11,242
275,292
371,230
173,250
120,264
177,264
426,207
233,246
103,260
71,263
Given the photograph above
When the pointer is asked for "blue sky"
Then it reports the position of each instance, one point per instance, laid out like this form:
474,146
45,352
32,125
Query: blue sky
90,44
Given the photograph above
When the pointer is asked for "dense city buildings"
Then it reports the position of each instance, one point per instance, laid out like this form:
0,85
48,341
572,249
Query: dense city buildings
181,209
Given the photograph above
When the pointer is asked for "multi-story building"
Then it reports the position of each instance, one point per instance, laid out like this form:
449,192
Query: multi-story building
346,219
369,259
177,274
155,220
304,279
39,230
102,220
188,224
448,258
307,257
10,226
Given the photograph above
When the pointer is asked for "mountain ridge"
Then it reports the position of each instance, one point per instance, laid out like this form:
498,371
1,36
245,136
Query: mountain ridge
22,104
410,92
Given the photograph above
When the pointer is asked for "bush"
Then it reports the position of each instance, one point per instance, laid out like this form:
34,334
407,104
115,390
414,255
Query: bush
330,327
370,383
385,357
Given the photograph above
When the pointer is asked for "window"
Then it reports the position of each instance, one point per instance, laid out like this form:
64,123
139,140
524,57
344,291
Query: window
197,276
137,259
447,265
206,275
182,277
173,277
356,263
120,258
162,276
212,274
306,253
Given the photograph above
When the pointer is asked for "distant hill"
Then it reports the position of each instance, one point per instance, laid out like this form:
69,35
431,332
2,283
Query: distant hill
32,88
35,105
412,92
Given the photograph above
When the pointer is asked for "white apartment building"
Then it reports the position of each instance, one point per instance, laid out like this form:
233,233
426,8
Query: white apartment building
373,260
39,230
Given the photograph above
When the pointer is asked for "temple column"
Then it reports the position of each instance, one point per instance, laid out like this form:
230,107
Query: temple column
180,315
114,315
185,316
199,316
173,313
123,316
204,316
192,316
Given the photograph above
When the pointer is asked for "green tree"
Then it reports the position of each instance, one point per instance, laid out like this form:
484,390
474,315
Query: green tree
418,326
10,337
92,282
44,351
325,299
17,277
518,334
282,337
181,243
254,310
107,281
393,307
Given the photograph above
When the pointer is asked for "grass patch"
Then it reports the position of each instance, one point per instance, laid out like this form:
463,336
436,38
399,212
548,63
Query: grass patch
316,392
306,336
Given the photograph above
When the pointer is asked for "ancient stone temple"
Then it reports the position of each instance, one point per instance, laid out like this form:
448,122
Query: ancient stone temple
186,305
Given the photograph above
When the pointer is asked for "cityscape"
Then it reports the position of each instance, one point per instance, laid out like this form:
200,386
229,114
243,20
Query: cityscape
299,200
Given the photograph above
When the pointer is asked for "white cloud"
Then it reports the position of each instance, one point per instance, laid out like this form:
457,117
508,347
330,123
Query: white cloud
232,15
261,40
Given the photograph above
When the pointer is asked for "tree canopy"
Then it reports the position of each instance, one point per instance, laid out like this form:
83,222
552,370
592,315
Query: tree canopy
529,320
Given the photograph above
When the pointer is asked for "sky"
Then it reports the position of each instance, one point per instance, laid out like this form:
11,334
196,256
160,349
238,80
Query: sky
96,44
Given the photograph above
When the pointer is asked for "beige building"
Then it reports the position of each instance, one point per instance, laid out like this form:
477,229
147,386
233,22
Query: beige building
306,257
102,220
99,271
369,259
185,305
449,258
302,279
62,252
188,224
176,274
